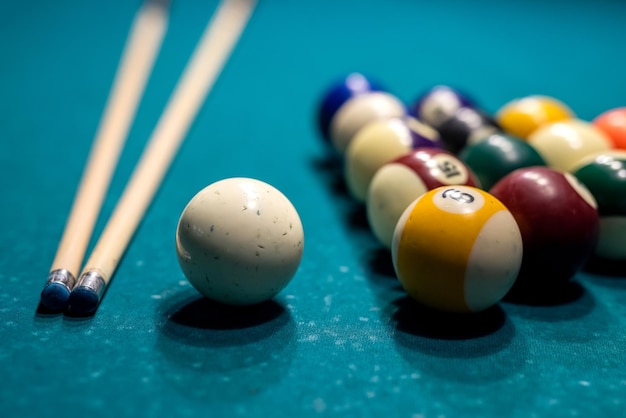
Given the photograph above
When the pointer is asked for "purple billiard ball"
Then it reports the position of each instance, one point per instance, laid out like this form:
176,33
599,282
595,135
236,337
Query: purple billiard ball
439,103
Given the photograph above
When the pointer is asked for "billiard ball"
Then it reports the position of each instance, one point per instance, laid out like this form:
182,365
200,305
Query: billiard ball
457,249
239,241
380,142
558,219
466,126
360,110
563,144
521,117
439,103
340,92
613,124
399,182
604,175
497,155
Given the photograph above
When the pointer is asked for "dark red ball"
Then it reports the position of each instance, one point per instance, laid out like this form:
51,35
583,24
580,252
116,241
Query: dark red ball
558,220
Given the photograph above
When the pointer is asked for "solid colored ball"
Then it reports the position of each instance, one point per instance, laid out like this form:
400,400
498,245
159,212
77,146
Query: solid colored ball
440,103
399,182
466,126
340,92
605,177
380,142
563,144
497,155
521,117
457,249
239,241
359,111
613,124
558,219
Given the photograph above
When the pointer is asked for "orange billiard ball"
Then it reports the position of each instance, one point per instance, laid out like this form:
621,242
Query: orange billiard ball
613,124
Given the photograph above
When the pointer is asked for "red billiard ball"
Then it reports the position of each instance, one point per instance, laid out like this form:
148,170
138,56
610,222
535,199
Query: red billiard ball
559,223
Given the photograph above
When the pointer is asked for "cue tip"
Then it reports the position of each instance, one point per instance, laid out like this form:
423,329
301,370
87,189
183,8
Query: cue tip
57,289
86,296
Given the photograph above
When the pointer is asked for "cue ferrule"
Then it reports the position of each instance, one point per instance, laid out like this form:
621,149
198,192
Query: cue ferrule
92,281
88,292
63,277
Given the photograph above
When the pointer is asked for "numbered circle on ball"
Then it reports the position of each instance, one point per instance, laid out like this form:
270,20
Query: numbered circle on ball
448,169
458,199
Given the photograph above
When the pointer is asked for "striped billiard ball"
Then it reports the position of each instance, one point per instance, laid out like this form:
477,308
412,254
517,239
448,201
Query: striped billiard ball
380,142
605,177
558,219
563,144
440,103
457,249
399,182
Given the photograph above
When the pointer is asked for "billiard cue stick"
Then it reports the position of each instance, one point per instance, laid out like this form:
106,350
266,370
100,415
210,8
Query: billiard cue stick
136,63
205,65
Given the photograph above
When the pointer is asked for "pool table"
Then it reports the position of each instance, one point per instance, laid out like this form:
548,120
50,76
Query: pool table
342,339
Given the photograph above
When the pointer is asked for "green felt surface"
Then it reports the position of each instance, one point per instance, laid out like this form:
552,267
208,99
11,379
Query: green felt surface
341,339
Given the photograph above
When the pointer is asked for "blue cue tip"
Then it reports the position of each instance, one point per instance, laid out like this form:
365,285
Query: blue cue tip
83,300
86,296
56,292
55,296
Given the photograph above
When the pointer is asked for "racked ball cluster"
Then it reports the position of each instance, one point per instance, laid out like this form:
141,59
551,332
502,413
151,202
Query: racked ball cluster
474,205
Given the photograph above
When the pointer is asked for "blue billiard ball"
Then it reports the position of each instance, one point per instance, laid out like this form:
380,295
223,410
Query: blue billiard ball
352,85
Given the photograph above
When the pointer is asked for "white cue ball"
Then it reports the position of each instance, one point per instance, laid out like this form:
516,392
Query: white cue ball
239,241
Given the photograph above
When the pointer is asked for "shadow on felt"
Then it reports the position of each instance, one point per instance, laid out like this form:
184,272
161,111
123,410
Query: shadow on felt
475,348
609,273
214,352
415,319
330,170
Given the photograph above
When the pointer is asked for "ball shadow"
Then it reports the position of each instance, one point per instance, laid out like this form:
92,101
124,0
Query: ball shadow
416,319
608,269
329,168
553,295
380,262
330,171
469,348
573,302
214,352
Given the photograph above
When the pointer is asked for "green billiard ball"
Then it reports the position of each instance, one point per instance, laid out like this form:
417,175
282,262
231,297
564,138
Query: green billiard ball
497,155
604,174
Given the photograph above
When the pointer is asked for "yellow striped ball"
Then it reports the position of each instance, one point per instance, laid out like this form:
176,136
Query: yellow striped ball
457,249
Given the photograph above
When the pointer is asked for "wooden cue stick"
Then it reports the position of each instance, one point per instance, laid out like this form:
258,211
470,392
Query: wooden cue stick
136,63
212,51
